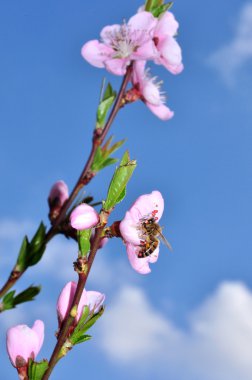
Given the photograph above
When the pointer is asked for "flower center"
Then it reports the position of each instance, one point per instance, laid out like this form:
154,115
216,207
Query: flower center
126,41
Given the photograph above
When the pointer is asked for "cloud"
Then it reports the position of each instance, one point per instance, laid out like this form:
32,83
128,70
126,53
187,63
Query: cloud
217,345
231,58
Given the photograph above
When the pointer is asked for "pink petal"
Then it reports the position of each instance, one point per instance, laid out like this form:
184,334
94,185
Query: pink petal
95,53
39,327
139,265
138,72
58,193
161,111
145,52
95,300
144,21
151,93
128,228
117,66
146,204
171,56
108,31
65,300
84,217
166,26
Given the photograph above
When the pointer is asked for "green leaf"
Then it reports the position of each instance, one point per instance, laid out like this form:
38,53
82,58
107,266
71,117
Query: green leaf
116,146
104,106
36,370
84,241
150,4
22,256
37,246
83,338
27,295
108,161
119,182
158,11
10,300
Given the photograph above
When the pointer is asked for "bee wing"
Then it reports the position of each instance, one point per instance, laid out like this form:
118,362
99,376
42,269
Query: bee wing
164,240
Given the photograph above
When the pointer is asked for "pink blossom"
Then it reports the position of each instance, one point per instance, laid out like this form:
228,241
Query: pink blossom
84,217
150,92
24,342
169,51
146,208
122,44
58,194
94,300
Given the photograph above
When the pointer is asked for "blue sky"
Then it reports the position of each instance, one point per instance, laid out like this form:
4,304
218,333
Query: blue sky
190,319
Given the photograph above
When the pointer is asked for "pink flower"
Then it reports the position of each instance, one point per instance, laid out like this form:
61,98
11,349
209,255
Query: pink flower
94,300
150,91
169,51
147,208
24,342
84,217
58,194
122,44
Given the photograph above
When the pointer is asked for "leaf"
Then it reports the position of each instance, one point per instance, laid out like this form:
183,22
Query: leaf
22,256
104,105
37,246
10,300
158,11
83,338
36,370
119,181
102,157
84,241
27,295
109,161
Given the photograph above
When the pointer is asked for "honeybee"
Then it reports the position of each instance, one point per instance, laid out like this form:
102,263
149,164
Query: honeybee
151,233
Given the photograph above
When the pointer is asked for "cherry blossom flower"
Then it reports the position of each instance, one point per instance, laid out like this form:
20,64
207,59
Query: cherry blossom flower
58,194
122,44
24,342
84,217
146,208
169,51
149,91
94,300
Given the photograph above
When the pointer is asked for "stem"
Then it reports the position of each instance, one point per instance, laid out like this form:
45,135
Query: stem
97,141
69,319
83,180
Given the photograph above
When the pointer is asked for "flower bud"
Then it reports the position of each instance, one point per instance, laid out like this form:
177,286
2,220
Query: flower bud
84,217
94,300
57,197
24,343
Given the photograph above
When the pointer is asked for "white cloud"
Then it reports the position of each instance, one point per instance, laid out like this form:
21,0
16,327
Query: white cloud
229,59
216,346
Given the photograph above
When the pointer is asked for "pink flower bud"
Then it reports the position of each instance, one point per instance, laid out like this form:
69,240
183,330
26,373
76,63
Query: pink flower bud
84,217
94,300
24,342
58,194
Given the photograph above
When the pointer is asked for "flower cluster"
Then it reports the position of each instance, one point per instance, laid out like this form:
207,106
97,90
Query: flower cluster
143,38
138,229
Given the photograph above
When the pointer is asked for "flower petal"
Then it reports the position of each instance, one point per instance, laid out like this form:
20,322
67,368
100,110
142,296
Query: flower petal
166,26
171,56
146,204
65,299
83,217
108,32
145,51
117,66
58,193
143,21
161,111
140,265
151,93
95,53
95,300
129,228
39,327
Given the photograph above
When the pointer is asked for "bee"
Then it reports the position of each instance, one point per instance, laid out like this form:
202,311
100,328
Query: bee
151,234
